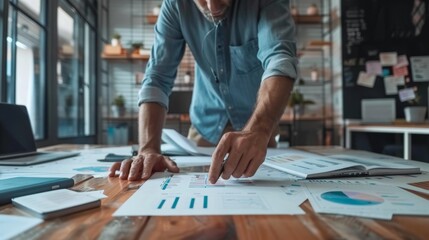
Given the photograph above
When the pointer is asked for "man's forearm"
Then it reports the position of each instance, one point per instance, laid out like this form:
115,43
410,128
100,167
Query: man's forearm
151,122
272,99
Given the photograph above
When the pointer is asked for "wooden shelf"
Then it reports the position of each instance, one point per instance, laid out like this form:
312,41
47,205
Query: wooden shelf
121,56
287,118
139,57
308,19
319,43
125,57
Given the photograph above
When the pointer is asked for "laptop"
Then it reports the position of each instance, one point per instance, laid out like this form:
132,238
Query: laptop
381,110
17,145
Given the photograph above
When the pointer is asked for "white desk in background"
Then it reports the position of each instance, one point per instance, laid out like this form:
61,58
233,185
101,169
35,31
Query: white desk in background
404,128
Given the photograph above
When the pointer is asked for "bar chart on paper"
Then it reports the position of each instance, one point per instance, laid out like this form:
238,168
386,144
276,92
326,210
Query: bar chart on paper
183,202
192,194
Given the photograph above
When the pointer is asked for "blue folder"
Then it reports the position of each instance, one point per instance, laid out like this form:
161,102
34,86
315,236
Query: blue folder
21,186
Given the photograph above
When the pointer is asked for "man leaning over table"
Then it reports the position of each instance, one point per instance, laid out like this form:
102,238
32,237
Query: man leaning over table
245,66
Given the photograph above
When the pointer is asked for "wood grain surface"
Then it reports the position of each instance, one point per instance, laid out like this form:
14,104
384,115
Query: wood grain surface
98,223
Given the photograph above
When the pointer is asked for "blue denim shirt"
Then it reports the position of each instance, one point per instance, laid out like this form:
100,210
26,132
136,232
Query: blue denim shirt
256,40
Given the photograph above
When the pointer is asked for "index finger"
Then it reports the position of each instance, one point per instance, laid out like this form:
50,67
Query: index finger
115,167
218,157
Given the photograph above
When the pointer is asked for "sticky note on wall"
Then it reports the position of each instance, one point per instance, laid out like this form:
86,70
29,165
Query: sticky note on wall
366,80
388,58
373,67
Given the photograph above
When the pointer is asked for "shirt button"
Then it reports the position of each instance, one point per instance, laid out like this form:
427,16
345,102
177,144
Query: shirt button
221,70
230,107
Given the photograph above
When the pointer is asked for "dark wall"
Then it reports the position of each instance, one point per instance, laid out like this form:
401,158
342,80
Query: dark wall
370,27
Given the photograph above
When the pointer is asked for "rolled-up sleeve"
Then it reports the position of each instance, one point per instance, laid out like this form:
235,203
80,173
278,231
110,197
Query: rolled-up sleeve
276,39
166,54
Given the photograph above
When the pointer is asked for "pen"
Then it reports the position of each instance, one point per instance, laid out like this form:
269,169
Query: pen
222,166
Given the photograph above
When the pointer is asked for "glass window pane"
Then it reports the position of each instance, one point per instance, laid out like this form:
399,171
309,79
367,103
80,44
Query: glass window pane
75,75
9,83
32,8
104,26
88,87
29,73
67,74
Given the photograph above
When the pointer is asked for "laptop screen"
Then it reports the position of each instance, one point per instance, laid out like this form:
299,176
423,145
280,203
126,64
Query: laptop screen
16,135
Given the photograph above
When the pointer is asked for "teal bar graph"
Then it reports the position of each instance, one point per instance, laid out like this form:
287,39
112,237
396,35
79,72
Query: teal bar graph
166,182
176,200
161,204
205,203
191,205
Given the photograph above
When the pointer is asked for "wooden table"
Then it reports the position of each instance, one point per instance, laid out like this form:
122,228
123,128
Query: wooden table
406,129
99,224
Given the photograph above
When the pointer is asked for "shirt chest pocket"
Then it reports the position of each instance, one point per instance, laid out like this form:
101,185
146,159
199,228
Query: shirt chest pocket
244,58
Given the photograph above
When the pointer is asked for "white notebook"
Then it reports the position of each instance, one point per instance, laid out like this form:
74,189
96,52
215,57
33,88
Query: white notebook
56,203
316,166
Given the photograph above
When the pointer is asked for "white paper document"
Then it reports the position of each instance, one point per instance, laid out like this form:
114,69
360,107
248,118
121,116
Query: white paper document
420,68
183,144
190,161
166,194
85,163
391,84
373,201
11,225
403,181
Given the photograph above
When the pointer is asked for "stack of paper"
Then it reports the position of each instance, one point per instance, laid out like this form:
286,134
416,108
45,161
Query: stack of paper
58,203
177,144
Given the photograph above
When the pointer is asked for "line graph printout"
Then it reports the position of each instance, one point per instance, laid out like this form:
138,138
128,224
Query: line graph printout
166,194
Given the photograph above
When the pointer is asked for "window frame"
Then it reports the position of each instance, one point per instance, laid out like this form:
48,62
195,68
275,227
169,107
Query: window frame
49,24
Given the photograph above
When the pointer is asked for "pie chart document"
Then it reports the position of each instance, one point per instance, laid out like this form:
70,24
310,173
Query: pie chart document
364,200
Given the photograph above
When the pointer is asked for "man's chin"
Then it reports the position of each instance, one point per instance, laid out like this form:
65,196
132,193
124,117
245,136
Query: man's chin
216,19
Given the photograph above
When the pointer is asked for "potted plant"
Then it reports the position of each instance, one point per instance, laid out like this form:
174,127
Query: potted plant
118,106
137,47
298,102
415,112
116,39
